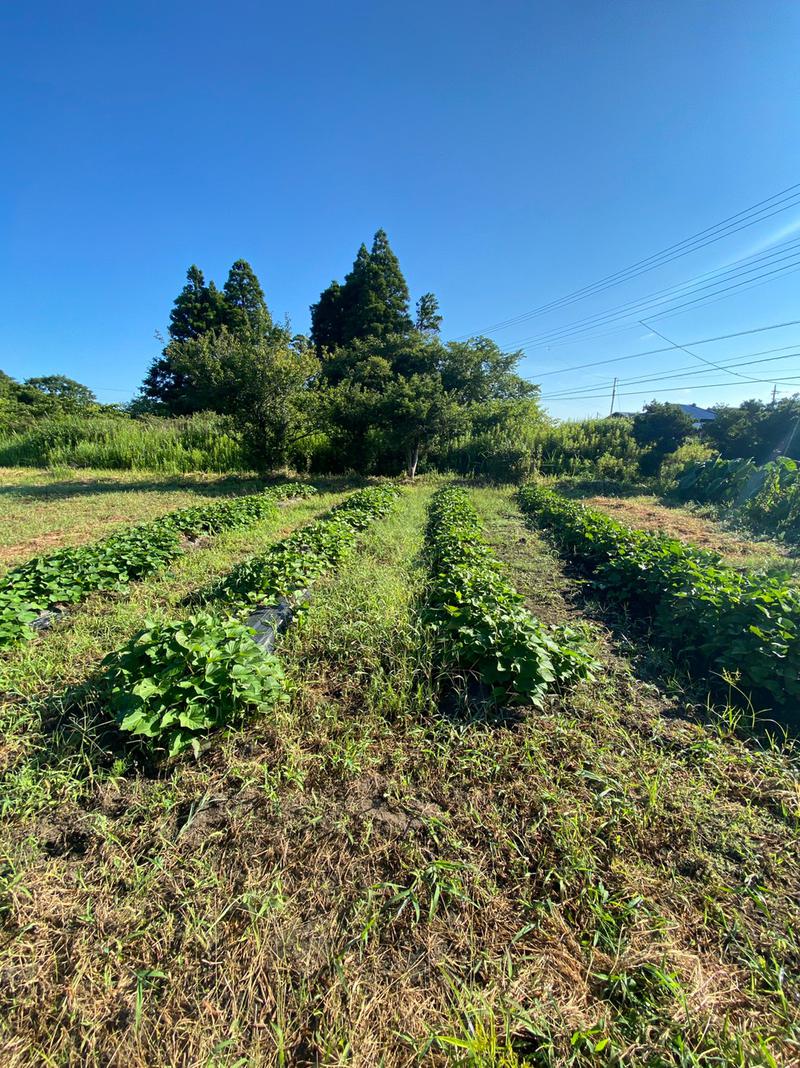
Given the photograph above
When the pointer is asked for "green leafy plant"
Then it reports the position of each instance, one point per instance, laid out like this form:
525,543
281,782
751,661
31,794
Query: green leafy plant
290,566
68,576
479,621
745,626
767,497
175,681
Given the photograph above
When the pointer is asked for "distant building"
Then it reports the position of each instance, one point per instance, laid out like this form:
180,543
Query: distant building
699,415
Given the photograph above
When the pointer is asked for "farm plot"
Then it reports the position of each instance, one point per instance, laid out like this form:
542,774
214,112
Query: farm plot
743,629
367,876
30,591
702,531
477,619
41,511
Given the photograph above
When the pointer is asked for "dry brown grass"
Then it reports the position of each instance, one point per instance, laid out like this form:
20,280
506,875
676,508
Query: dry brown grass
648,514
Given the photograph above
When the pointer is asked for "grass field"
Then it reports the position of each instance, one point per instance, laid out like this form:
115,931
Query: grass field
375,875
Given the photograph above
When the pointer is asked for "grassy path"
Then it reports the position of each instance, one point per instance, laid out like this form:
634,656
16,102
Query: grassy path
685,842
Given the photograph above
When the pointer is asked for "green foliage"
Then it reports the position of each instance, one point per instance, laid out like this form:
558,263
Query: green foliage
246,312
742,625
289,567
198,308
70,575
372,302
766,497
171,386
65,390
402,397
659,430
175,681
686,455
756,429
49,397
202,442
595,448
428,320
262,381
479,621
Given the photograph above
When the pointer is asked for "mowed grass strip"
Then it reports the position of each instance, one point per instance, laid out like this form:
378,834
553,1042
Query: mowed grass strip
685,843
45,510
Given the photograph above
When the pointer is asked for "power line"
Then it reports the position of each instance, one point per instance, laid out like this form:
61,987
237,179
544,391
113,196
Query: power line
679,373
653,352
711,363
726,228
664,297
694,385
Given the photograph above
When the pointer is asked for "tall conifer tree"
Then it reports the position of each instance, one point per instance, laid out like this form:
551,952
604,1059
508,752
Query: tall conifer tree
246,311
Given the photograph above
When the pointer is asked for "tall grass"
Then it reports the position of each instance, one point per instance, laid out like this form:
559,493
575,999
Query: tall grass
199,443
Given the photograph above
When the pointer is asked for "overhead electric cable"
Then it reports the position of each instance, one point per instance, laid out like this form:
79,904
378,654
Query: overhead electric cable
746,217
787,251
682,372
652,352
692,385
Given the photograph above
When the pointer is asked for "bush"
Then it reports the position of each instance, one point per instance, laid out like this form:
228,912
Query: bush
746,626
479,621
766,497
675,463
591,448
175,681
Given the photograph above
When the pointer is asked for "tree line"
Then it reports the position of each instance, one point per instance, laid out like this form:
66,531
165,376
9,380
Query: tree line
375,379
373,388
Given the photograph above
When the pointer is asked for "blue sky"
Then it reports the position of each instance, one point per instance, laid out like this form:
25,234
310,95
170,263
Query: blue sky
514,152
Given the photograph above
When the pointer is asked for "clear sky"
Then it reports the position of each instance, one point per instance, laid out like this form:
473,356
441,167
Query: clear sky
513,151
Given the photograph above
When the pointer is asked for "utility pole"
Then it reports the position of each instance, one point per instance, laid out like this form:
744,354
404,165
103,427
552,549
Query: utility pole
774,392
613,396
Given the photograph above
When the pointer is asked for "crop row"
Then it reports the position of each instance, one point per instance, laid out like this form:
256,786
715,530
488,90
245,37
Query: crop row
177,680
478,620
714,618
290,566
68,576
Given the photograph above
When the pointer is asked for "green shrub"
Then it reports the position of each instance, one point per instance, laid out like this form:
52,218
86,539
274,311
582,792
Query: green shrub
479,621
176,681
675,463
765,497
715,618
592,448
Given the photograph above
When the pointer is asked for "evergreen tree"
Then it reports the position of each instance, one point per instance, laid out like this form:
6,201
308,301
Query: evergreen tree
387,298
428,320
327,319
246,311
372,302
198,308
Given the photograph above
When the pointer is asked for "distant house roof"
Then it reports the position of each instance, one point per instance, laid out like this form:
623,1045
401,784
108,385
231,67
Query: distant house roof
700,415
